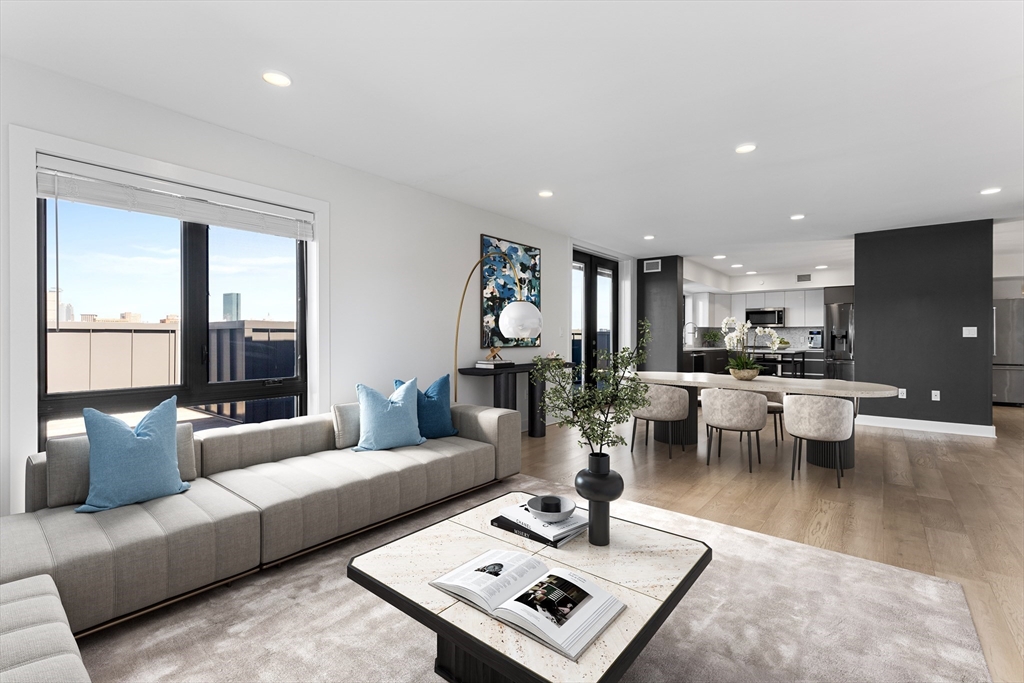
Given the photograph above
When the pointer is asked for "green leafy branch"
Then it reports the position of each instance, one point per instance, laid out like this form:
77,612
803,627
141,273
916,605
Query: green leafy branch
596,407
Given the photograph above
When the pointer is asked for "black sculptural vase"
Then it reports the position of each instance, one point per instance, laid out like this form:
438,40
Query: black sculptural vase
600,485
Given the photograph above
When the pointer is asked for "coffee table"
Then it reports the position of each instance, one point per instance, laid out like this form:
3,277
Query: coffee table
647,569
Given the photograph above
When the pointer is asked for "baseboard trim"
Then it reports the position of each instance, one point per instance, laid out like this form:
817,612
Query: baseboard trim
927,425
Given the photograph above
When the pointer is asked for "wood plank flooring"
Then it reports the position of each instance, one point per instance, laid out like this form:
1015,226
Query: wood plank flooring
946,505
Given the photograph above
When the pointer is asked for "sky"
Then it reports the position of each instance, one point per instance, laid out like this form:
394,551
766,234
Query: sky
113,261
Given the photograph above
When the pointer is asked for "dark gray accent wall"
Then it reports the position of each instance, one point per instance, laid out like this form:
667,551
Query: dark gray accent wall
917,288
659,299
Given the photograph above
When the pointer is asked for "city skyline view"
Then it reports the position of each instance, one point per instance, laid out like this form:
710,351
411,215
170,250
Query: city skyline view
114,261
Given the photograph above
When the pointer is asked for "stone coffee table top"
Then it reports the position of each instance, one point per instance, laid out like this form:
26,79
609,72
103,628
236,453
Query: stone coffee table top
647,569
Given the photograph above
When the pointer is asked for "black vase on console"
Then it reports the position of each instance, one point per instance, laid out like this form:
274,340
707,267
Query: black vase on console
600,485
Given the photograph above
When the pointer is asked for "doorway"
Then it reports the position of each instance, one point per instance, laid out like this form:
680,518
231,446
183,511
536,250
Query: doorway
595,311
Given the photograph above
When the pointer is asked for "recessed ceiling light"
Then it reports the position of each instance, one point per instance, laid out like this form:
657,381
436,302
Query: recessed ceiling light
648,237
545,194
797,217
277,78
720,256
737,265
746,147
820,267
751,272
991,190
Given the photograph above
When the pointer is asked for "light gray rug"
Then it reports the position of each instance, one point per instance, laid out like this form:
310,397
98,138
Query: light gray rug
766,609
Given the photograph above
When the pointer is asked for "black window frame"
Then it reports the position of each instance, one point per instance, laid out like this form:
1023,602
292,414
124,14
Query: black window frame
195,387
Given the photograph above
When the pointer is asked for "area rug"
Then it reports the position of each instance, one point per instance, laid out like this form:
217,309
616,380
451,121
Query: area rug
765,609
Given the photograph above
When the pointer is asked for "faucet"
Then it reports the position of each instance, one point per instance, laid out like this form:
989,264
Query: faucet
695,328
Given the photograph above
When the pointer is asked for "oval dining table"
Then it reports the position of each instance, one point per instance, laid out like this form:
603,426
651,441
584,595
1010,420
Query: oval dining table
817,453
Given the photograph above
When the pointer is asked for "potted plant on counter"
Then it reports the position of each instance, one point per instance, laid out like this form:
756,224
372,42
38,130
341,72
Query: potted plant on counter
712,337
594,408
742,365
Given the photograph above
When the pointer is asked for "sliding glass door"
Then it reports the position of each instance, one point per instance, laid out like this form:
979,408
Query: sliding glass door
595,311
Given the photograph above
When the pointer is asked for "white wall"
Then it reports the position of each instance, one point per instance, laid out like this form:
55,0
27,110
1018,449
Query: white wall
1009,288
398,257
838,277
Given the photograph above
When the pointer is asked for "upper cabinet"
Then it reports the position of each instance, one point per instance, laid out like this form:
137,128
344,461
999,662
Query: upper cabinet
721,308
701,309
794,302
755,300
814,308
739,307
774,299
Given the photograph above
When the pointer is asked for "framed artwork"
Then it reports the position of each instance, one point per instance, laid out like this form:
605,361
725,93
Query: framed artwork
498,286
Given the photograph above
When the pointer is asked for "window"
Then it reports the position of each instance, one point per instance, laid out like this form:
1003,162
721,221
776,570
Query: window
136,306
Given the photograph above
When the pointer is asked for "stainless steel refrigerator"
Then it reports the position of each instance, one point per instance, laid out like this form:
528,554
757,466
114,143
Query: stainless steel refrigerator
839,334
1008,351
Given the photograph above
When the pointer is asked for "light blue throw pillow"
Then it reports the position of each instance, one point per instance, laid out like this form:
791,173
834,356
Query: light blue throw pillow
132,465
388,422
434,409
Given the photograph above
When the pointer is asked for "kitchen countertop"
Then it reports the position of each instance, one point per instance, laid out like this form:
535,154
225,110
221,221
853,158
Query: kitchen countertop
722,348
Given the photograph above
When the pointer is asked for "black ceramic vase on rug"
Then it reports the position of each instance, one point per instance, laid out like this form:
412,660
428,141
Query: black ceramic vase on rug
600,485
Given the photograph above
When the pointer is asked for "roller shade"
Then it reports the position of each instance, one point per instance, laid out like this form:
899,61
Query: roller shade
81,182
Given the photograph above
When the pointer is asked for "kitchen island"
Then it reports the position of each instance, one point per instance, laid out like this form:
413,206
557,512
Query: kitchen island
817,453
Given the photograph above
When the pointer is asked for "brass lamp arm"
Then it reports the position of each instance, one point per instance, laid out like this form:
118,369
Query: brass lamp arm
458,319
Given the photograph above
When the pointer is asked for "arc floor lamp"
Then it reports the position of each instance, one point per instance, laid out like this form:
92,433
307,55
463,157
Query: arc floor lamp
519,319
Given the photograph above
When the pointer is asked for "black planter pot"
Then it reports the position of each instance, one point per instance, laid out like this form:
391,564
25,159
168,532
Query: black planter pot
600,485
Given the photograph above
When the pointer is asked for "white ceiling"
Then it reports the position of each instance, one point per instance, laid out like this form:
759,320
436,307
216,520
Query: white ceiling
867,116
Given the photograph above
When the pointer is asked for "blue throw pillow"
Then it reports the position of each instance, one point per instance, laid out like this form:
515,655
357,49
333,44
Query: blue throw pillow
434,409
132,465
388,422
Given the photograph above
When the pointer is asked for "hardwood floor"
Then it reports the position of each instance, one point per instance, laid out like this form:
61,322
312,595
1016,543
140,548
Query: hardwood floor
950,506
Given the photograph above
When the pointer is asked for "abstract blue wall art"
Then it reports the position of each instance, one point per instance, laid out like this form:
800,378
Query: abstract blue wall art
498,286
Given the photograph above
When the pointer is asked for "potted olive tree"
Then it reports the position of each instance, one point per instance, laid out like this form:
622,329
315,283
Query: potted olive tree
594,408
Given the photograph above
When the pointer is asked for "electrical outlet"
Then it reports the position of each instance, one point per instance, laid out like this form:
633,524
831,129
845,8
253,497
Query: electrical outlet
970,331
935,396
903,393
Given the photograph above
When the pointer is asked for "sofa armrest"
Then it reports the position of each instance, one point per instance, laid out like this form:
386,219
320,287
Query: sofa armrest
35,482
497,426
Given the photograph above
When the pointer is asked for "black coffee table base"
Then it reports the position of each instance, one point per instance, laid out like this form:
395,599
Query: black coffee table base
456,665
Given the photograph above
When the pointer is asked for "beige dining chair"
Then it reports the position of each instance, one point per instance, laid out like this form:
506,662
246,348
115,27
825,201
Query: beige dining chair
776,409
819,418
735,411
667,404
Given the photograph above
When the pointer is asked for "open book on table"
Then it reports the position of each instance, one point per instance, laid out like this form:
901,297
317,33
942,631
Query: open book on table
559,607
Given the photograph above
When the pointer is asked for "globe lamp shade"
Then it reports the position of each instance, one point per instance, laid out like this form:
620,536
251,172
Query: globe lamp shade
520,320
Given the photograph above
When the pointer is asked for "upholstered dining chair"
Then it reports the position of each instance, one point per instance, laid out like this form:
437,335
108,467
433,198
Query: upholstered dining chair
776,409
735,411
668,404
819,418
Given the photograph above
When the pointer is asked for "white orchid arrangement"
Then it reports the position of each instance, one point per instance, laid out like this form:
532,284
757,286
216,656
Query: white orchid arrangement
737,341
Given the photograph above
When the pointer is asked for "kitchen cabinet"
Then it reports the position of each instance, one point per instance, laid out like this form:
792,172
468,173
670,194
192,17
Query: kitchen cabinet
794,303
701,306
739,307
755,300
814,308
774,299
721,307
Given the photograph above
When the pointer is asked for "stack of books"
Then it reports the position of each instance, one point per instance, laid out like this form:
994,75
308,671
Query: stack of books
518,520
494,364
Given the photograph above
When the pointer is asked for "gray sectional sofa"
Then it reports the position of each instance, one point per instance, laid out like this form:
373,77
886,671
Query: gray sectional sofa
260,494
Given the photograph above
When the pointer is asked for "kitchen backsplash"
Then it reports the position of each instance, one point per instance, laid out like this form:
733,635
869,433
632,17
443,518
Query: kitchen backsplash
796,336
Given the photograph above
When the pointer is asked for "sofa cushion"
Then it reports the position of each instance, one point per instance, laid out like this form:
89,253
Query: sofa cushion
131,465
117,561
36,644
230,448
309,500
388,421
67,466
434,409
346,424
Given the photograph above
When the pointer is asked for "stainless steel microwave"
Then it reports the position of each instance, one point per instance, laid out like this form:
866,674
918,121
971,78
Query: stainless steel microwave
767,317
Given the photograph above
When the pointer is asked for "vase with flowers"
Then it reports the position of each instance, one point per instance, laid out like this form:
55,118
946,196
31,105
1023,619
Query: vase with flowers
742,365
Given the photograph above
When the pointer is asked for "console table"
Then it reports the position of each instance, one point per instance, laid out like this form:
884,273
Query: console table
505,392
